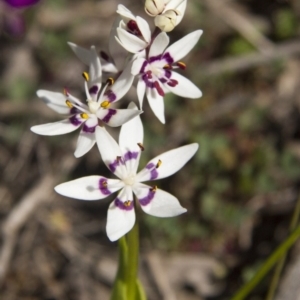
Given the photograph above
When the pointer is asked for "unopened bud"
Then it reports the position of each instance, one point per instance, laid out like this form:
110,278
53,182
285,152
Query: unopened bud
154,7
167,21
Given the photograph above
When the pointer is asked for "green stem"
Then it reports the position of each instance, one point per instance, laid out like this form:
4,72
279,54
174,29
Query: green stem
119,287
268,264
132,261
281,262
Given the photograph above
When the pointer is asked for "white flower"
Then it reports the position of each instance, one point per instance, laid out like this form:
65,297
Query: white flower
156,72
96,110
167,13
123,159
133,33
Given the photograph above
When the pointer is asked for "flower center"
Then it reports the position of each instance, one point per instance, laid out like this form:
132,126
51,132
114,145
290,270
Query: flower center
130,180
93,106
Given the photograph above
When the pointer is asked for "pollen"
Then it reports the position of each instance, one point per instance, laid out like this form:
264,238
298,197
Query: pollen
181,65
84,116
104,183
154,188
127,203
105,104
110,81
69,104
158,164
86,76
65,92
141,146
167,66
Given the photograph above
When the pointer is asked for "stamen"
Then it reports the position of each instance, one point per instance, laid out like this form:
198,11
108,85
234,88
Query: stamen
181,65
69,104
154,188
66,92
110,81
149,74
86,76
167,67
172,82
105,104
84,116
119,159
141,146
104,183
158,88
127,203
158,164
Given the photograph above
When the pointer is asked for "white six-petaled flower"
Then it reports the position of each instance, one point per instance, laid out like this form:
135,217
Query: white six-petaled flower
122,159
156,72
97,108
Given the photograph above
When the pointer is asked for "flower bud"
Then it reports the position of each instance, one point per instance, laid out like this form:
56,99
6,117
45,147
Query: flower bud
166,21
154,7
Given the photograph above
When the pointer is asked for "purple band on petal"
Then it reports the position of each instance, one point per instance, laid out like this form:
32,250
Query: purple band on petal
111,112
167,56
144,65
110,95
103,187
149,82
130,155
153,171
167,74
75,121
88,129
113,166
149,197
121,205
93,89
74,111
154,58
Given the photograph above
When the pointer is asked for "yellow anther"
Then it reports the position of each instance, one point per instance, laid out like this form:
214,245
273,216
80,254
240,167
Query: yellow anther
158,164
110,81
86,76
105,104
84,116
154,188
167,66
69,104
127,203
104,183
181,65
141,146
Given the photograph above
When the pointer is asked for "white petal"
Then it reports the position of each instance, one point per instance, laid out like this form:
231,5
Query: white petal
89,188
137,65
125,12
95,71
185,88
56,101
144,28
141,89
56,128
85,142
123,83
83,54
156,103
120,218
131,134
179,6
171,162
157,202
159,44
117,117
182,47
129,41
110,152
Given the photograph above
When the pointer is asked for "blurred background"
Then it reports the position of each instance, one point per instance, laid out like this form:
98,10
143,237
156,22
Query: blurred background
240,189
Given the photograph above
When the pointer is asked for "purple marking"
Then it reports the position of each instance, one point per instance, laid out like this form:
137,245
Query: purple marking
113,166
121,205
153,171
146,200
111,112
93,89
103,187
168,74
104,55
144,65
110,95
74,111
169,59
88,129
21,3
154,58
149,83
133,27
75,121
130,155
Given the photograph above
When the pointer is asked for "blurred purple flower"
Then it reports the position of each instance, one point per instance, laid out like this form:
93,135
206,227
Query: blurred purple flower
21,3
